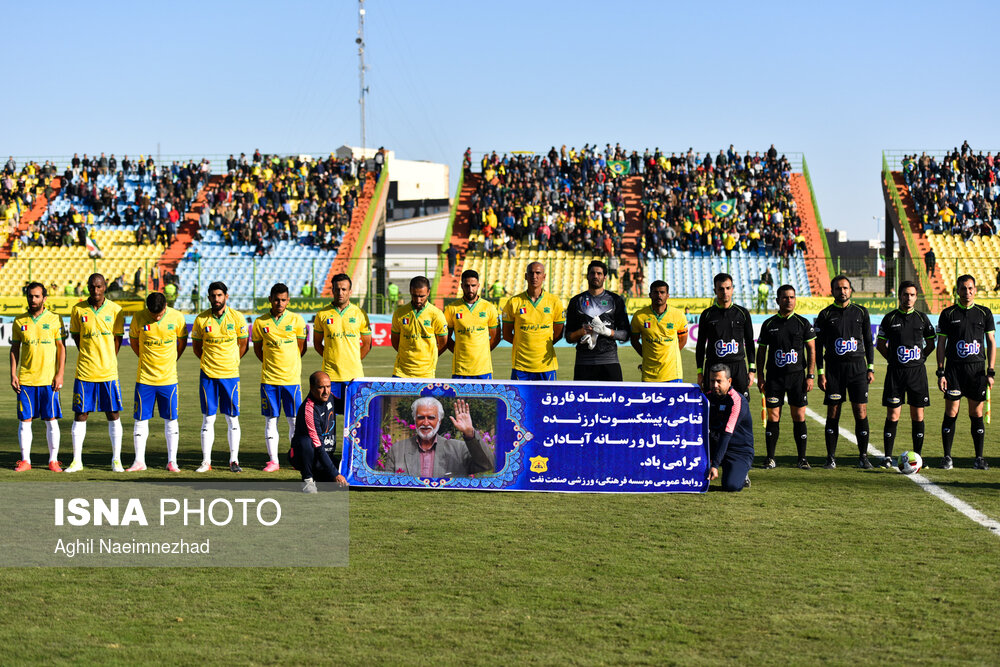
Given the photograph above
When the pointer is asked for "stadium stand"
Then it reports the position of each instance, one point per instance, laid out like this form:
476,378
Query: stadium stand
658,214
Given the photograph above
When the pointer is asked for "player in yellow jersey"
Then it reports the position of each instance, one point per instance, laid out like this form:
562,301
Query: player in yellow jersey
97,327
659,333
475,325
533,322
158,336
419,333
279,341
220,339
342,335
37,343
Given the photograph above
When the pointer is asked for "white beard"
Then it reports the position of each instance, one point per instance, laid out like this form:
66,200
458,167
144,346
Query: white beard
428,436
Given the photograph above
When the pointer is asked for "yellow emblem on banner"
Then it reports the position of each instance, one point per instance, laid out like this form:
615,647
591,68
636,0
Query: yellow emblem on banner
539,464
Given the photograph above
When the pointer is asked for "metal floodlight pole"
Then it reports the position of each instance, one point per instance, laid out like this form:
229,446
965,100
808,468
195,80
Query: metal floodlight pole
360,41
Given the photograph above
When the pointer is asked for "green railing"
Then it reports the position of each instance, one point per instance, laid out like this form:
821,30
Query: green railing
819,219
369,217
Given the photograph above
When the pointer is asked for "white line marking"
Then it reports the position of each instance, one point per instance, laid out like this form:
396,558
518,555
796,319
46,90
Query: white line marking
927,485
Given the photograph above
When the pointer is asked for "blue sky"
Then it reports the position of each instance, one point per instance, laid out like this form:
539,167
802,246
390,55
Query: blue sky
837,81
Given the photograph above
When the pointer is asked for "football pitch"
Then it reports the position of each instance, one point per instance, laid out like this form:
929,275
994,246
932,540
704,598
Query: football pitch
838,566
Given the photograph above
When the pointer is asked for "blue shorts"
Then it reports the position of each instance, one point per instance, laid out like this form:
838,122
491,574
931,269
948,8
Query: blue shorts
487,376
164,396
96,396
38,403
275,397
220,395
547,376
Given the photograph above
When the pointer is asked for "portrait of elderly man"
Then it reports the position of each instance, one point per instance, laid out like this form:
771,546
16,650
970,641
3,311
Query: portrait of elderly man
427,454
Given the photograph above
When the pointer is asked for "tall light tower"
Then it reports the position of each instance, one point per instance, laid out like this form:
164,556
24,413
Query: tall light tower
360,41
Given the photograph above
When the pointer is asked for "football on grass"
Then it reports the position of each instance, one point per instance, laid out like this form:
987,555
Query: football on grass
910,462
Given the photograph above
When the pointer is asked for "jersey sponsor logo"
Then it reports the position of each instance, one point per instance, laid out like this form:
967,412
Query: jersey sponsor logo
842,346
725,348
905,354
967,348
782,358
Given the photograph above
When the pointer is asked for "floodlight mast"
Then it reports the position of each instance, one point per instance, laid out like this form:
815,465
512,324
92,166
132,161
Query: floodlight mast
360,41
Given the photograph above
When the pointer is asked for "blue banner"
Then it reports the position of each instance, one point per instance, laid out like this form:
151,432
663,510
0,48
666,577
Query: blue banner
526,436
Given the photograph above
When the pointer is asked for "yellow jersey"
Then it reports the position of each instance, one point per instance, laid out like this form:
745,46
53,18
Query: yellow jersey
220,342
157,345
661,354
282,363
38,336
96,359
534,351
471,325
342,331
418,331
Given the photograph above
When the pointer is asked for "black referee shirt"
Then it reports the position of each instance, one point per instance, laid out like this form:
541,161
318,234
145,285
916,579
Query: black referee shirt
726,335
965,330
905,335
785,338
844,335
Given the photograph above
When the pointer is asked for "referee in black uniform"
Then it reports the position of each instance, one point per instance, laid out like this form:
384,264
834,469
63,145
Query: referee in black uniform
786,349
725,335
845,357
966,367
905,338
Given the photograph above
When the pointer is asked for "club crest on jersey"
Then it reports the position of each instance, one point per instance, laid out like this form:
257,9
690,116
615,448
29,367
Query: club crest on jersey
967,348
842,346
782,358
905,354
725,348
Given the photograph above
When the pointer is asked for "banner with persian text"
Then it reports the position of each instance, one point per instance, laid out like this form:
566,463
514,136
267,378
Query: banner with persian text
526,436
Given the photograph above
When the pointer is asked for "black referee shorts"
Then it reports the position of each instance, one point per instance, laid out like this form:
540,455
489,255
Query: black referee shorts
967,380
845,381
906,383
778,385
598,373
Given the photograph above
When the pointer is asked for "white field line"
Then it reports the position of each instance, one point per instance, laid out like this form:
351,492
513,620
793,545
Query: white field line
927,485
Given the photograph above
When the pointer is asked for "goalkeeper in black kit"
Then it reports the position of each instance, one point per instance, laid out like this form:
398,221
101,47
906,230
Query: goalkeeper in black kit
845,356
905,338
725,335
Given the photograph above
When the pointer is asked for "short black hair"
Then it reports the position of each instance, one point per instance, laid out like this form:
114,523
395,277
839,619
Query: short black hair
32,285
906,284
721,278
341,277
783,288
218,285
416,282
656,284
470,273
597,263
720,368
156,302
837,279
279,288
964,278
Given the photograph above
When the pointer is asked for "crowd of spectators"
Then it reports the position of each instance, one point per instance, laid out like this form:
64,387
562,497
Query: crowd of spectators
679,192
267,198
150,202
19,188
564,200
956,193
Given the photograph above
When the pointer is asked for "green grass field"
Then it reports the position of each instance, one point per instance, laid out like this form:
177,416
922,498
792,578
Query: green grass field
842,566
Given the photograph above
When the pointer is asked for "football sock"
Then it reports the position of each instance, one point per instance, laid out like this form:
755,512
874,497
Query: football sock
140,431
233,435
24,438
978,435
832,433
861,433
890,436
771,431
77,434
291,429
948,433
918,436
52,436
801,437
171,431
271,438
207,437
115,433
